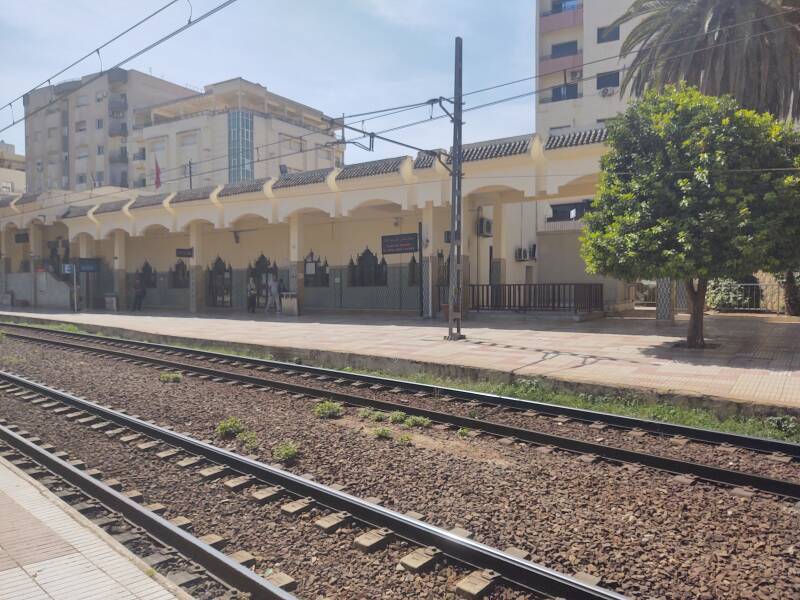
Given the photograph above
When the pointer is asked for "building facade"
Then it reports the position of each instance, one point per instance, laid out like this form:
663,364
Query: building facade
12,170
323,233
76,138
235,131
577,60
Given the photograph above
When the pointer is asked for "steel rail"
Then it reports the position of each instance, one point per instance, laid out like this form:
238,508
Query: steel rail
710,473
694,433
523,573
214,561
716,475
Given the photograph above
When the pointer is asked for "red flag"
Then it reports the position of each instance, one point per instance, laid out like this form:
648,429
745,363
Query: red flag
158,175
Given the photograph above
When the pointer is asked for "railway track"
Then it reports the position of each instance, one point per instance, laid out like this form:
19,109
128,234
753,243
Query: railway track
352,389
238,473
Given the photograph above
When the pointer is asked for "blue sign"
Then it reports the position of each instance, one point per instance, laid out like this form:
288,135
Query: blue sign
88,265
67,268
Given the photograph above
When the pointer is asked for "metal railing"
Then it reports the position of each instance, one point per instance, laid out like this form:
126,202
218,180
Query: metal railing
545,297
748,297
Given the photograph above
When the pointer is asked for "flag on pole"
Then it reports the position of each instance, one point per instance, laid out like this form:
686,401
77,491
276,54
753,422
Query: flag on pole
158,175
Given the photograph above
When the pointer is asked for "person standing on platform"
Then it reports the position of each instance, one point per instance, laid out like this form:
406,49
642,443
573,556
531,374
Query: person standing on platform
252,295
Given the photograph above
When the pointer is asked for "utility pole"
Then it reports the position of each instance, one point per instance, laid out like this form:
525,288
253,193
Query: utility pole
190,174
456,275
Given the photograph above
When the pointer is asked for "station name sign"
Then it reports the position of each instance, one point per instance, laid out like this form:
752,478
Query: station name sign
88,265
184,252
22,237
402,243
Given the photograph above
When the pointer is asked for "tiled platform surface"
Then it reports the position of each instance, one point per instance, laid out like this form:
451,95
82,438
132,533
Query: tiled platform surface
755,358
46,554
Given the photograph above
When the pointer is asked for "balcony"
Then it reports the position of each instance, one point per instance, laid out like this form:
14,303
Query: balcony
118,130
557,64
557,21
139,155
118,157
560,225
117,106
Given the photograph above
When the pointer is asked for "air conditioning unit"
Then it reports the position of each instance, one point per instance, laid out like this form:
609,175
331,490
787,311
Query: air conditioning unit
575,75
521,254
607,92
532,252
484,227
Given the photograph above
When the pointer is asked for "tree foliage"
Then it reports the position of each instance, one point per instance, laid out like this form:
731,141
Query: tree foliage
747,48
693,188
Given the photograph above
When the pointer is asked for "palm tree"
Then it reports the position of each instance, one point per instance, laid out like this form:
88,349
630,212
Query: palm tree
749,49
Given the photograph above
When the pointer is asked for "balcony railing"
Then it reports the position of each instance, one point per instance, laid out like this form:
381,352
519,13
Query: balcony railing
561,225
118,130
556,21
139,155
548,65
118,157
116,105
566,7
550,99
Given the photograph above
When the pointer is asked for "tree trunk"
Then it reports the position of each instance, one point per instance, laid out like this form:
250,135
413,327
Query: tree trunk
697,304
791,294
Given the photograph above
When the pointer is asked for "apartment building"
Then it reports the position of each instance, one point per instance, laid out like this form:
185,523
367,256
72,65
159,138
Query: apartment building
236,130
578,63
76,138
12,170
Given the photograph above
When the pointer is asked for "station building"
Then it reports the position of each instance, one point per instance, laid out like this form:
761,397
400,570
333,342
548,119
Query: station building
322,232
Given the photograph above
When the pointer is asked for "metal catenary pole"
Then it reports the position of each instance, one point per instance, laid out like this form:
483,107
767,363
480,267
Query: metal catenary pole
456,280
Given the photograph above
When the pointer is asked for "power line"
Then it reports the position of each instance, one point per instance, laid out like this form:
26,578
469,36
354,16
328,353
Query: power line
585,64
92,53
135,55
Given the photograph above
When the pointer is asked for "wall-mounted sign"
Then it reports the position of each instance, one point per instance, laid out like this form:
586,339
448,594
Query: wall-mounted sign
88,265
21,237
402,243
184,252
67,268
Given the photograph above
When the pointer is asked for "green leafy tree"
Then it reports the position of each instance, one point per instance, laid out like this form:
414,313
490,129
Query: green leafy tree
691,189
747,48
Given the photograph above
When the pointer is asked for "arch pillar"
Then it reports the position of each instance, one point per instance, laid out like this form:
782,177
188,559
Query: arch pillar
5,258
296,258
85,250
430,258
120,268
498,270
197,279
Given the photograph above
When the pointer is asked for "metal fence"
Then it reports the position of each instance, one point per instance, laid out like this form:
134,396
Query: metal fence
532,297
401,292
750,297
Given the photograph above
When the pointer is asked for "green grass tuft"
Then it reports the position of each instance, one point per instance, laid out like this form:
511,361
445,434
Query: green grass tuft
170,377
416,421
383,433
229,428
248,439
328,409
285,452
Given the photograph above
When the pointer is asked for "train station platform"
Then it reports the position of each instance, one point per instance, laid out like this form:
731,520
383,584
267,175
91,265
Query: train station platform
751,359
50,552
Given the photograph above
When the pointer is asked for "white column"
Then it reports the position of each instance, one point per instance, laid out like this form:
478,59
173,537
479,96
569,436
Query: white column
297,258
120,268
196,269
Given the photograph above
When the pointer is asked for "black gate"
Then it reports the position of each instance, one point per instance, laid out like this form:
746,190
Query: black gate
259,273
220,285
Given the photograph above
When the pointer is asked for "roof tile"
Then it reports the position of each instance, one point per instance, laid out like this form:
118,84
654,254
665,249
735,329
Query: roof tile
202,193
243,187
371,168
77,211
577,138
302,178
148,201
499,148
424,160
109,207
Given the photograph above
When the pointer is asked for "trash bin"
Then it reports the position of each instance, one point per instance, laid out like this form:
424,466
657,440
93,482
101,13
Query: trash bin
289,305
111,302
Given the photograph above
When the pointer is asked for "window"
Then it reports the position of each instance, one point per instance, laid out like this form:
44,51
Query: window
99,124
564,49
607,34
240,146
565,5
569,212
52,132
565,92
83,152
608,80
98,179
82,101
101,150
291,144
560,130
81,178
325,154
80,126
188,139
98,97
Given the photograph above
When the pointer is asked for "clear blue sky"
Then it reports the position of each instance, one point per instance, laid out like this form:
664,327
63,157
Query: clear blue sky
336,55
